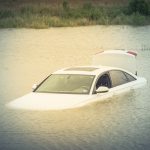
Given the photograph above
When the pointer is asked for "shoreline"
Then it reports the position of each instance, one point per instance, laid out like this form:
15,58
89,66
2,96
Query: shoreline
86,26
43,16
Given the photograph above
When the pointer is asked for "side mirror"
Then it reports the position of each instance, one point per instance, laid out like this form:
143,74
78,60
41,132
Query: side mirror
102,89
34,87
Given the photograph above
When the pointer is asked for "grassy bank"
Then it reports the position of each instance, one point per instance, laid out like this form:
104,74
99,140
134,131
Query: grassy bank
15,14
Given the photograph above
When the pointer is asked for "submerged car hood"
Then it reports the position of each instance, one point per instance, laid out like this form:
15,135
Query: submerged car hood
48,101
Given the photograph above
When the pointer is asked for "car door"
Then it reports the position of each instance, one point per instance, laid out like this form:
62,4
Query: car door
120,81
117,81
103,80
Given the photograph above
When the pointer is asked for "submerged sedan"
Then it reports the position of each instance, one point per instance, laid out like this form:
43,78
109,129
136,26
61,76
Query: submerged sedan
77,86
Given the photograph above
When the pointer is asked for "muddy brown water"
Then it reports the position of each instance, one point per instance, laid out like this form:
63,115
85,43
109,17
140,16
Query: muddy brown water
28,55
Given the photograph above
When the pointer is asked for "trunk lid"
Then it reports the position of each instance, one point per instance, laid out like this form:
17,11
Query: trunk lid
117,58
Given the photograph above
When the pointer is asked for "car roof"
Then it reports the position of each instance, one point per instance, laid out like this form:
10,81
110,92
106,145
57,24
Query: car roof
85,70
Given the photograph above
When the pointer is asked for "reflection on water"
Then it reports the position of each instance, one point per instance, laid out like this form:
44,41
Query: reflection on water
27,55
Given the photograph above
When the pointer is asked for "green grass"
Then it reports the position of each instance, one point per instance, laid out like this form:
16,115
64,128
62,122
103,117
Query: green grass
45,16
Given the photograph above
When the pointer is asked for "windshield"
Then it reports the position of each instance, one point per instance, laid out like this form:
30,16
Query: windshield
66,83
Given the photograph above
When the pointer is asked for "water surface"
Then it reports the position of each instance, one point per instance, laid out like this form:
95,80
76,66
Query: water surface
28,55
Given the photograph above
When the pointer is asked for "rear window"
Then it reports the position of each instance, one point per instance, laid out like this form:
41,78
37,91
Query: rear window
118,78
130,78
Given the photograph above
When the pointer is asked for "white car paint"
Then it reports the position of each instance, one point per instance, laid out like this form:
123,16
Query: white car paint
117,58
57,101
46,101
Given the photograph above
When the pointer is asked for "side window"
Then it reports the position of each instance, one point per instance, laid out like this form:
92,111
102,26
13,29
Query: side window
104,80
130,78
118,78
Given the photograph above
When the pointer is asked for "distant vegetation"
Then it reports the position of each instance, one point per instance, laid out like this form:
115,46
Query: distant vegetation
32,14
139,6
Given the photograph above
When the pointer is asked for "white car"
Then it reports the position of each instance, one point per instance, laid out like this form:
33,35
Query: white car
77,86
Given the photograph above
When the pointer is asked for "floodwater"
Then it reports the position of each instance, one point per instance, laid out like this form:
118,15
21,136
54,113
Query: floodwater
28,55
